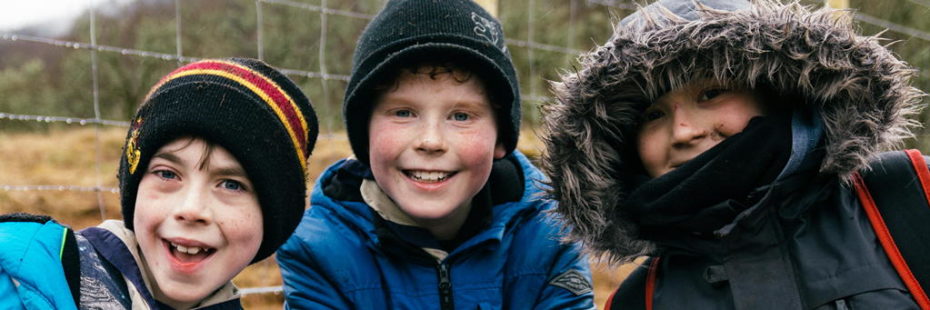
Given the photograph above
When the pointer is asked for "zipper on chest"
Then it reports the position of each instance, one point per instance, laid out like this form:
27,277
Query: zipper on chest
445,286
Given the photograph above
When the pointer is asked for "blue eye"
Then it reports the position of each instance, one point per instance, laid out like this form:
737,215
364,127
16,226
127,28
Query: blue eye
402,113
460,117
165,174
232,185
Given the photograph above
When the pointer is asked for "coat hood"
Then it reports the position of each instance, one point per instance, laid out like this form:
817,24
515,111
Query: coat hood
861,92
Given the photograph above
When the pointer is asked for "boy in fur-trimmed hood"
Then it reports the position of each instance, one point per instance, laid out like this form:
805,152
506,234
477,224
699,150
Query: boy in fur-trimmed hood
721,136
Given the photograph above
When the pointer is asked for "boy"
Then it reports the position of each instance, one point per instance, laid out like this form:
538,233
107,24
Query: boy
438,211
719,137
212,179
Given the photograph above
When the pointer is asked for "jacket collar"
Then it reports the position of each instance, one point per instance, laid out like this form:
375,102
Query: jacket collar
117,245
511,200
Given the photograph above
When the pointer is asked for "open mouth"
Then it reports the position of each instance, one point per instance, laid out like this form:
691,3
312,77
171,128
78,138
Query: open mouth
189,253
428,176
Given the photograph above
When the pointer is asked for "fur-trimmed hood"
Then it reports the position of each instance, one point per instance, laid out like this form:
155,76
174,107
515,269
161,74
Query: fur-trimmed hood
860,90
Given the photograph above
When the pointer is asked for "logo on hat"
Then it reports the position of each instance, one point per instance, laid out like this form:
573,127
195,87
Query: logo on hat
486,29
133,154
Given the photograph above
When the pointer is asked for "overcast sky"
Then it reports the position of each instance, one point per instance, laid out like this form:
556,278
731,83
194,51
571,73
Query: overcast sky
16,14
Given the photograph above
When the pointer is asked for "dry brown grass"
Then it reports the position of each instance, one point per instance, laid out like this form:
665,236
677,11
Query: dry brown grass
70,157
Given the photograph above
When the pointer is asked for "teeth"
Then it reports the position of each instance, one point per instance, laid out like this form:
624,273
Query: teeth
189,250
432,176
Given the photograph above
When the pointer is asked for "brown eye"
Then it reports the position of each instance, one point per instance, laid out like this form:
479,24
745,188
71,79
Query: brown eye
651,115
712,93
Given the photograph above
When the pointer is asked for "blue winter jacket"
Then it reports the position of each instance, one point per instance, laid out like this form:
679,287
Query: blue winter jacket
343,257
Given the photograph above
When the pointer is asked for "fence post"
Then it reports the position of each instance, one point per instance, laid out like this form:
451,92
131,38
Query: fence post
489,5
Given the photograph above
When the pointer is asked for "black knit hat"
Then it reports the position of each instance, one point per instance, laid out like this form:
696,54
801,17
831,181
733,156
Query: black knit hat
411,31
245,106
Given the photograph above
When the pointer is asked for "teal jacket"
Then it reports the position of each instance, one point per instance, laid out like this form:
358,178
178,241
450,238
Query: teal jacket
27,244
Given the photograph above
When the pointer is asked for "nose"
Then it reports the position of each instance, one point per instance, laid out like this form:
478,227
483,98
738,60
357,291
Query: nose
193,208
686,128
432,139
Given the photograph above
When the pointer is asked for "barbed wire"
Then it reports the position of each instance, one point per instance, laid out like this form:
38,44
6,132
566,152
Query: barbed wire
149,54
614,4
541,46
62,119
892,26
58,188
321,9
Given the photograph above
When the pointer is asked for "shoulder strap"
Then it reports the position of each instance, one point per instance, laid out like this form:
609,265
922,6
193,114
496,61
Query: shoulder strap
71,263
637,290
897,203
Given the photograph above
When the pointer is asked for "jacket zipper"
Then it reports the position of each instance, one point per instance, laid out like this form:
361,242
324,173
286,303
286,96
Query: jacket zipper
445,287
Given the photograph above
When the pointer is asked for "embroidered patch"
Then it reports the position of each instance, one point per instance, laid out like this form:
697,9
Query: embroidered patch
132,148
486,29
573,281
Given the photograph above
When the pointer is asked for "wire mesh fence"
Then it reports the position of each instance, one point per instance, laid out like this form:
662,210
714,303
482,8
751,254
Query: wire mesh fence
91,76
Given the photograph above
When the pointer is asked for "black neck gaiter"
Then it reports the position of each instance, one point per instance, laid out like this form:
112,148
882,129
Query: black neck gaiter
709,191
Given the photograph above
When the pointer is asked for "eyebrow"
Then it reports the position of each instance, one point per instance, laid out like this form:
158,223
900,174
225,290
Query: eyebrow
169,157
224,171
231,172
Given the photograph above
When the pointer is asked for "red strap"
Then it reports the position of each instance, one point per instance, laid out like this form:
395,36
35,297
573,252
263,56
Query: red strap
651,282
610,300
923,173
887,242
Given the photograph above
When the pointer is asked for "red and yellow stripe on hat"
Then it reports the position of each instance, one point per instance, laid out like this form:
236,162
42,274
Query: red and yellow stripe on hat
280,102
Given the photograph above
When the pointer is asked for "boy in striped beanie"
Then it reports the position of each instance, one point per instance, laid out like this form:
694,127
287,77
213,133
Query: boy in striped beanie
212,179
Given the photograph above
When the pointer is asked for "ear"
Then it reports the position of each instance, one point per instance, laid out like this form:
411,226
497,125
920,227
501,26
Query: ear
499,151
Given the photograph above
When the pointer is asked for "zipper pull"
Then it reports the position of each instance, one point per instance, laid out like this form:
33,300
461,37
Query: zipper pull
445,287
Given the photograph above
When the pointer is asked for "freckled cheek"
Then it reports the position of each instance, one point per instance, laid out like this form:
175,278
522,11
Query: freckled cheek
385,139
242,227
476,146
383,144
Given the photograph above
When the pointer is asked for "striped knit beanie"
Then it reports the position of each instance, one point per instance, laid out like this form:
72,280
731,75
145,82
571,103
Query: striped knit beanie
410,31
245,106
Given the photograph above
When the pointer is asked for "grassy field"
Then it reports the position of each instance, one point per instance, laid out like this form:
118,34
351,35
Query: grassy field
84,157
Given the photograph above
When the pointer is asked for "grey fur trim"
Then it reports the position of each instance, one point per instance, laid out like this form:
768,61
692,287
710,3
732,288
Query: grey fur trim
860,88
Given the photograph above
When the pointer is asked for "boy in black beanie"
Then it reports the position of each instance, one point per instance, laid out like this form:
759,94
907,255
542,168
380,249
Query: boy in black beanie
438,210
212,179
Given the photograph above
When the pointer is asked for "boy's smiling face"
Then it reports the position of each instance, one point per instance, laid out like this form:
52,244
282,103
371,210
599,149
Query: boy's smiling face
687,121
432,141
197,220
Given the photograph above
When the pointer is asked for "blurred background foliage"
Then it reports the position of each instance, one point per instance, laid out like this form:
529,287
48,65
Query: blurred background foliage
41,79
